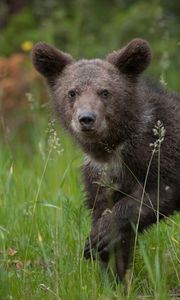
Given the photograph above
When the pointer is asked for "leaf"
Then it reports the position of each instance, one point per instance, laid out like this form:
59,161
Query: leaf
49,205
11,252
3,229
19,265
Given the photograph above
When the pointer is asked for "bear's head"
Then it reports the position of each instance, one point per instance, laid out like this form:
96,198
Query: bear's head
94,99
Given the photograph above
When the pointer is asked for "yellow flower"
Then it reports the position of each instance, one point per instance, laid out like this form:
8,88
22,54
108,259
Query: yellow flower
26,46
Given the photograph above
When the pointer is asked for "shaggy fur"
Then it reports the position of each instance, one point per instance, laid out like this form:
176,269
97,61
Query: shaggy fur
111,111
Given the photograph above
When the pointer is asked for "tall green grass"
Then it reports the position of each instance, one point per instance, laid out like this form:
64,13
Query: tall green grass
44,224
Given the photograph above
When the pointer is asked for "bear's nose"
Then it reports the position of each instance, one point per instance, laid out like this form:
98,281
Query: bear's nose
87,119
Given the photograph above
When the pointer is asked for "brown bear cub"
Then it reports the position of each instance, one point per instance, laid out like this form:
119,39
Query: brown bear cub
124,124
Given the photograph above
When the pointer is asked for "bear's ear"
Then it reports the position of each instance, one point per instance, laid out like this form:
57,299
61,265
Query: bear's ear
132,59
49,61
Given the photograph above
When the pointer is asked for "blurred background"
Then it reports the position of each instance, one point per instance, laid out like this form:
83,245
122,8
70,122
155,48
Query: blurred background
85,28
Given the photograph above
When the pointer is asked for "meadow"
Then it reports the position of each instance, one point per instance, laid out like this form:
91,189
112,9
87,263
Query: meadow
44,224
43,220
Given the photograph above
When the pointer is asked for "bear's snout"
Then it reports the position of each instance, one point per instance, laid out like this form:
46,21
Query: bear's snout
87,120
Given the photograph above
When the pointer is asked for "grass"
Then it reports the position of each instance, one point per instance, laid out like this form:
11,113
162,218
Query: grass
43,227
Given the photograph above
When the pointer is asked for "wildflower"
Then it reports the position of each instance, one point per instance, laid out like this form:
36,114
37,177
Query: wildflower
54,140
162,80
31,101
159,131
26,46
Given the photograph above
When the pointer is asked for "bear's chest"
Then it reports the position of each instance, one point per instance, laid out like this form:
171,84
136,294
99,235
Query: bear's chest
110,174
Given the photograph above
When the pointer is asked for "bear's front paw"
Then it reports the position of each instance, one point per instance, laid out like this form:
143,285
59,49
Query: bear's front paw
103,236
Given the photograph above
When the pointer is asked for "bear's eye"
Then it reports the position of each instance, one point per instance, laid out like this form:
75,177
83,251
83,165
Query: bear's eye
104,93
72,94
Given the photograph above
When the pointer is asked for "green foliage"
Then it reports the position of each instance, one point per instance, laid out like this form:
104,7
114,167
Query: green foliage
22,27
93,28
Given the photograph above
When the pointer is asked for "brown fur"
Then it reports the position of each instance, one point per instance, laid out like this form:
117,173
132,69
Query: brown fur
110,111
